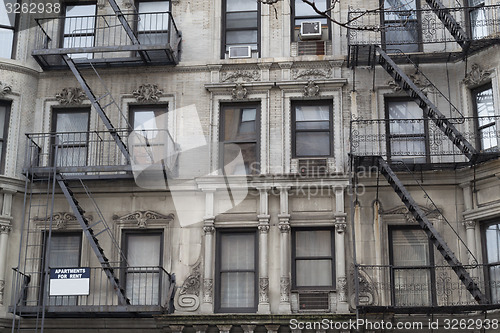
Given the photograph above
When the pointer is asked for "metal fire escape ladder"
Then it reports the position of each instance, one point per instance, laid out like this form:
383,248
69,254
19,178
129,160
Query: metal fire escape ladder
97,106
430,110
92,238
431,232
450,23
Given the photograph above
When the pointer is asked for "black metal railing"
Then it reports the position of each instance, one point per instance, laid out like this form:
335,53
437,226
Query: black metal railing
149,289
415,30
103,36
93,151
416,141
422,286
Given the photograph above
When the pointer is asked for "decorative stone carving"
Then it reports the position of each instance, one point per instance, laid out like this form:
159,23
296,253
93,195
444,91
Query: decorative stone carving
209,229
476,76
311,89
367,292
241,76
340,227
5,229
311,74
263,290
189,299
71,96
418,79
469,224
402,210
224,328
5,89
208,286
142,217
263,228
272,328
239,92
60,220
200,328
342,287
284,227
147,93
285,289
248,328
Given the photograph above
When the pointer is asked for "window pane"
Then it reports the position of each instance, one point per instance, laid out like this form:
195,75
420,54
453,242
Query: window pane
323,21
412,287
72,121
304,125
495,284
157,19
245,20
312,144
143,250
153,6
404,110
313,243
484,105
3,113
237,290
150,119
303,9
241,37
402,10
239,124
312,113
7,19
489,138
232,159
82,41
493,243
314,273
410,248
64,250
407,147
143,288
237,251
240,5
6,40
71,156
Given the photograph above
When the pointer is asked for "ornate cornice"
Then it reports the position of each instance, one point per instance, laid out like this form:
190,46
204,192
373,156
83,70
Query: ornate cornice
71,96
142,217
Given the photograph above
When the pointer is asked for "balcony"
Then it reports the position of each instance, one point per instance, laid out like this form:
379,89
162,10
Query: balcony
420,33
420,144
423,289
103,41
149,289
95,154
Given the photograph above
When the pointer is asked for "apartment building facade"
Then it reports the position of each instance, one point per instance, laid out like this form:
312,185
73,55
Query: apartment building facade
232,165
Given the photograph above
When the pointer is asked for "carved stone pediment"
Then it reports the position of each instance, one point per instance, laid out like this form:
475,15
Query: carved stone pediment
147,93
403,211
311,89
241,76
239,92
311,74
71,96
476,76
60,220
142,217
4,89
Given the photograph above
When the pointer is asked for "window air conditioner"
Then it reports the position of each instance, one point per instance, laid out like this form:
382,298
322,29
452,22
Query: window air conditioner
236,52
310,30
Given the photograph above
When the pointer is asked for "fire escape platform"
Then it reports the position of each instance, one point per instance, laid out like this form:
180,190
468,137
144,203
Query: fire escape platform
93,311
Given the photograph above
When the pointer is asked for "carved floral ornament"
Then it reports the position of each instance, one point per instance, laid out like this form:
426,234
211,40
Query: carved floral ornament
311,89
311,74
61,220
408,217
142,217
241,76
189,293
418,79
239,92
148,93
69,96
5,89
476,76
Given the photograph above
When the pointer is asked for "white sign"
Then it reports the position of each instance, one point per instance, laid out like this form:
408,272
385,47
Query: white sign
69,281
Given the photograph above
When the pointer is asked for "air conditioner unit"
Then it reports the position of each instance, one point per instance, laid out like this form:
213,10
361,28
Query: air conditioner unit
236,52
310,30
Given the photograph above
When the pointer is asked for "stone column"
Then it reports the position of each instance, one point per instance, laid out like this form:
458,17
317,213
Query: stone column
208,271
467,193
284,226
263,306
340,227
4,238
470,230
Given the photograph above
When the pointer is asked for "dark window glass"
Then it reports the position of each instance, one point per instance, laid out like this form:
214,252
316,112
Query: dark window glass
402,21
4,129
312,129
486,120
241,24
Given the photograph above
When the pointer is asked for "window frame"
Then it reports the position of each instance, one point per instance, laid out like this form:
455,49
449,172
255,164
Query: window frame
5,138
487,265
15,30
474,92
218,272
295,17
418,22
126,233
431,267
152,32
224,30
63,36
296,103
222,123
389,136
295,258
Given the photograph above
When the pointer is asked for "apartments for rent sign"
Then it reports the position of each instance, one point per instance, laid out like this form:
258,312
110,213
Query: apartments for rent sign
69,281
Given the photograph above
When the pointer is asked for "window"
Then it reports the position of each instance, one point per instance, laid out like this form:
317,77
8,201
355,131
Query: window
313,265
491,236
486,120
64,252
411,257
153,25
477,19
71,138
406,131
79,28
144,257
402,21
4,129
236,279
239,134
302,12
312,128
241,25
7,30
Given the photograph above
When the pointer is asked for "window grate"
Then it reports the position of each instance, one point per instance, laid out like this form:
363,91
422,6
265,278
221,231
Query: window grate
311,48
313,301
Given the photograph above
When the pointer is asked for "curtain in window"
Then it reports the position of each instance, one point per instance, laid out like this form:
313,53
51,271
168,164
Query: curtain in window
493,260
72,137
313,258
143,275
237,270
412,277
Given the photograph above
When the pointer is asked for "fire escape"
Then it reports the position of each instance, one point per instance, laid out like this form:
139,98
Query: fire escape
56,162
455,148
